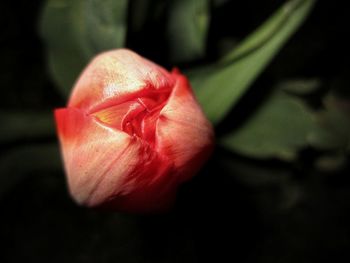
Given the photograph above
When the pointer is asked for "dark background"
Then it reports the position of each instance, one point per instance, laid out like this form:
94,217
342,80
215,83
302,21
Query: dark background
249,211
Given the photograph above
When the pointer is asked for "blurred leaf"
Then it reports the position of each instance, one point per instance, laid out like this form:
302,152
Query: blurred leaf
283,125
20,162
218,3
187,29
274,188
25,125
331,162
77,30
219,87
301,86
139,12
252,174
340,83
279,128
333,132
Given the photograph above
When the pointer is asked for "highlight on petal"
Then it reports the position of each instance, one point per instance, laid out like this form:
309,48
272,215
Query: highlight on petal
115,76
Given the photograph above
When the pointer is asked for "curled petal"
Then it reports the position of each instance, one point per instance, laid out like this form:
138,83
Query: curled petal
182,120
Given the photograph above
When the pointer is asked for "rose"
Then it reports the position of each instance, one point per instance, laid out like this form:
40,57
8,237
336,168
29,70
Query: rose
131,133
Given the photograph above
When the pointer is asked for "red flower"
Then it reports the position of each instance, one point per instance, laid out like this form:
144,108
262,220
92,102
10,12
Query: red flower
132,132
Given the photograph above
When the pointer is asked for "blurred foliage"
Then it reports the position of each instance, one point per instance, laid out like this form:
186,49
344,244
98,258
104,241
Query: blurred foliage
277,186
220,86
22,161
188,28
334,125
279,128
285,124
75,31
300,86
28,125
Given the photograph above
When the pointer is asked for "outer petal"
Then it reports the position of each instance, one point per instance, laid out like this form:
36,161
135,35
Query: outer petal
183,132
107,166
114,77
94,156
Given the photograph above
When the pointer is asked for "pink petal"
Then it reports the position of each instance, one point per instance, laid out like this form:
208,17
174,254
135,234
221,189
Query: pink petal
106,166
90,151
183,133
117,76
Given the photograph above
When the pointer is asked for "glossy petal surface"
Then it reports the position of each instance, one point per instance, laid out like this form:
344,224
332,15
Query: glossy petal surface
117,76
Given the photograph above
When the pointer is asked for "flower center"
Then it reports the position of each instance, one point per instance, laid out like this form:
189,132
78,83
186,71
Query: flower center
137,117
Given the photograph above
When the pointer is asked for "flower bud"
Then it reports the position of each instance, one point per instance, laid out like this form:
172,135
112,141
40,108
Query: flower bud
131,133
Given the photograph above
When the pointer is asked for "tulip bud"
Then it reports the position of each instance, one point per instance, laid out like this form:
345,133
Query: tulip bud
131,133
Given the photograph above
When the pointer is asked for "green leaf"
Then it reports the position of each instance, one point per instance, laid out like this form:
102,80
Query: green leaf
333,125
219,3
283,125
253,174
139,13
279,128
75,31
21,161
331,162
301,86
220,86
25,125
187,29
